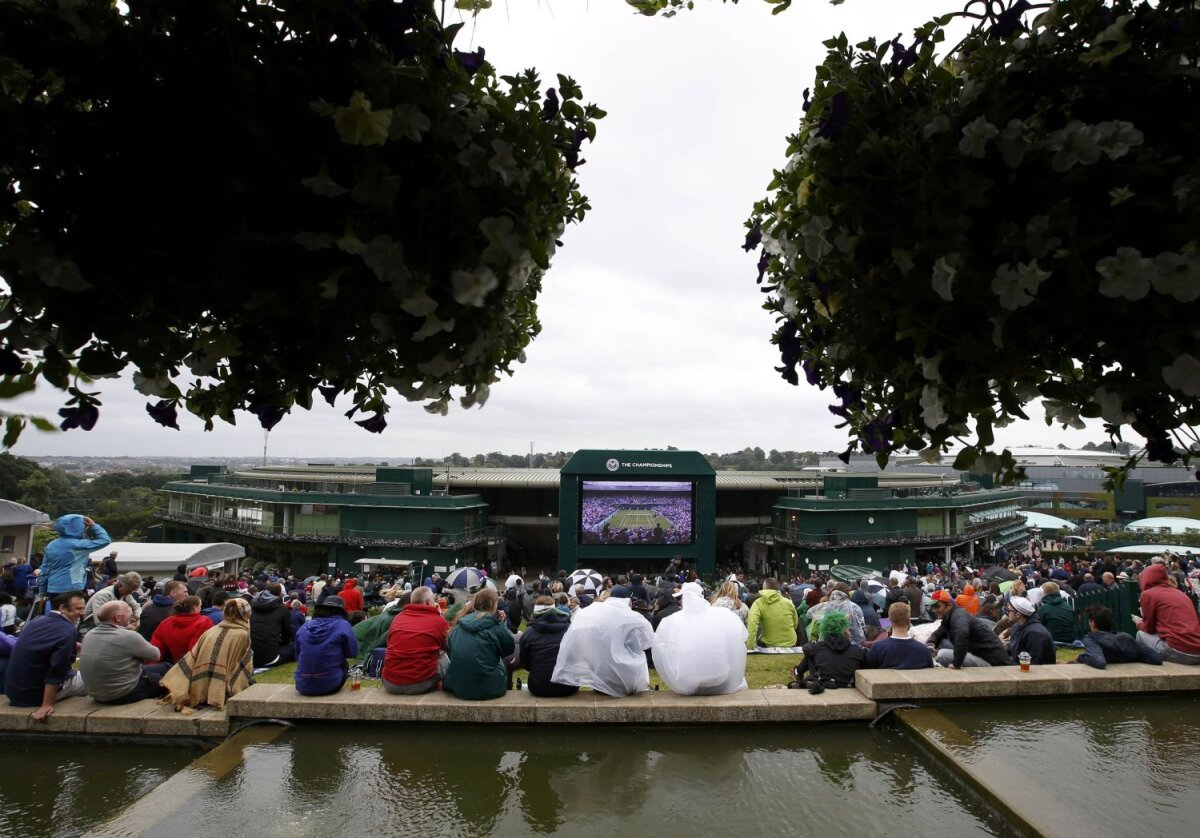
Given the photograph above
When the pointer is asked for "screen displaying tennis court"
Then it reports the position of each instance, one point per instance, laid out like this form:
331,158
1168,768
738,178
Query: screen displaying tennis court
636,512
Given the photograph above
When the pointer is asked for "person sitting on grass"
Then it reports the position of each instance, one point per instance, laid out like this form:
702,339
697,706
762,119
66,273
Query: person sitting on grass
1057,614
537,650
322,646
1028,634
415,658
901,650
831,662
772,620
962,640
1169,624
218,667
176,635
1102,646
479,646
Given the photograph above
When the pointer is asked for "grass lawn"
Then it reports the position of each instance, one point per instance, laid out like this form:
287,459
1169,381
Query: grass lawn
761,671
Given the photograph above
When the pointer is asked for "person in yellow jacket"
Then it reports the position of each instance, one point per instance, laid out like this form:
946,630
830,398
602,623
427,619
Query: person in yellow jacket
772,620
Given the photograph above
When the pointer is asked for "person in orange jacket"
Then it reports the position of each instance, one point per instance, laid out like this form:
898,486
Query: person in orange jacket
968,601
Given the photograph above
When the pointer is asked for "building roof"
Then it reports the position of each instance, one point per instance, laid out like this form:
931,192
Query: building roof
548,478
13,514
1174,525
1046,522
135,555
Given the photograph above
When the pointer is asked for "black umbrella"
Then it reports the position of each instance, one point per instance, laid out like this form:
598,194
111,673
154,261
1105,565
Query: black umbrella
1001,573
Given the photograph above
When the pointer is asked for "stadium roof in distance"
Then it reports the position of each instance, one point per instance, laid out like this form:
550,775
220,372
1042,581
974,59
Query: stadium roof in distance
547,478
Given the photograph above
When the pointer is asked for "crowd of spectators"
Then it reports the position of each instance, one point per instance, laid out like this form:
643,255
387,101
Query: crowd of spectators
199,637
599,512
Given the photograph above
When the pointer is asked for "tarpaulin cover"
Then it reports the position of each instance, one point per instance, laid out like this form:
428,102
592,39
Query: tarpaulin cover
701,650
605,649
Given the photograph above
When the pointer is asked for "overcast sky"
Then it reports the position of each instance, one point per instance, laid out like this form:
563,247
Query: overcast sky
653,334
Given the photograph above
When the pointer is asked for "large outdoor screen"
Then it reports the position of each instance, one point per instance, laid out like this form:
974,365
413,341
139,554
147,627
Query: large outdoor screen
636,512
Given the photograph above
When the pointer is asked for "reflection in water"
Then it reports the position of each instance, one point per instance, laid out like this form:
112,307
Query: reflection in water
63,789
429,780
1147,749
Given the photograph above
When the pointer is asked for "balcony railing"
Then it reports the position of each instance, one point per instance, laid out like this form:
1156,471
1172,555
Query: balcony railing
825,540
351,538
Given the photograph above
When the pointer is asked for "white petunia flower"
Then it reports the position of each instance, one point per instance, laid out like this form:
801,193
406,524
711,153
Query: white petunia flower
1177,275
521,269
975,136
1116,138
432,326
1018,286
929,368
408,122
816,246
471,287
1014,141
933,412
939,124
1128,274
503,244
1120,195
439,366
931,455
1062,412
1110,406
1075,143
1183,375
944,271
502,162
419,304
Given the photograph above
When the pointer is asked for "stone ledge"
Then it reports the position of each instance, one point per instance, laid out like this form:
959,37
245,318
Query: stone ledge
143,718
520,707
1010,682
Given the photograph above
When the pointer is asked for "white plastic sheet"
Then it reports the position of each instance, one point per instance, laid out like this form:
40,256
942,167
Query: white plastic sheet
605,649
701,649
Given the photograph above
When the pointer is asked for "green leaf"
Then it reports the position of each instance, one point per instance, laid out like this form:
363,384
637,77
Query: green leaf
43,424
13,426
965,459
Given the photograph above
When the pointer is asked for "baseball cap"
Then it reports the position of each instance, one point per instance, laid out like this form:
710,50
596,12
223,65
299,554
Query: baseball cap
942,596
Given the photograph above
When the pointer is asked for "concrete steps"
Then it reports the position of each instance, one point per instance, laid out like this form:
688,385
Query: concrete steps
82,716
933,685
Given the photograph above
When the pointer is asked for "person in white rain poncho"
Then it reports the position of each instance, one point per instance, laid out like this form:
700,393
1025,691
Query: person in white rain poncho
701,650
605,649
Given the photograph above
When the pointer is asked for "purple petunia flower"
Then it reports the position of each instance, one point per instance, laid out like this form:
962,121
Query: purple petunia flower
877,436
835,117
330,394
269,415
375,424
753,238
762,266
807,102
789,374
550,106
1008,21
470,61
812,371
84,416
1160,450
164,413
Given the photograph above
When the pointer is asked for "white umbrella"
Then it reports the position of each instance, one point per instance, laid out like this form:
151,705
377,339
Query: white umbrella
468,578
592,581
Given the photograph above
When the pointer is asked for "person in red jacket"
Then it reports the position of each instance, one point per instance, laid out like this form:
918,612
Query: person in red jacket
416,647
1169,624
176,635
351,596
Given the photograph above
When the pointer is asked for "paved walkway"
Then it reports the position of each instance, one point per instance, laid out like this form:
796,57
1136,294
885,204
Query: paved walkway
929,686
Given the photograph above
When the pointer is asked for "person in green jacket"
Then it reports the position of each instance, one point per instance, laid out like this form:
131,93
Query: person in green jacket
372,632
1056,614
479,646
772,620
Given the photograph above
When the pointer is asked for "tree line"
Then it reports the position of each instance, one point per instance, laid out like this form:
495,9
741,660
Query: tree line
123,502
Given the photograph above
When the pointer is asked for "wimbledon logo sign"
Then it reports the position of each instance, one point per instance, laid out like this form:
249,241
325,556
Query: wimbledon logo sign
613,464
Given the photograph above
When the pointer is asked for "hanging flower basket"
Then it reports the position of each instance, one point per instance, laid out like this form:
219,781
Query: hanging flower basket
959,233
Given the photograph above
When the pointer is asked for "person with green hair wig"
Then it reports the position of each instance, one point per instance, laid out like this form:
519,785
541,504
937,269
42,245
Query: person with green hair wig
832,661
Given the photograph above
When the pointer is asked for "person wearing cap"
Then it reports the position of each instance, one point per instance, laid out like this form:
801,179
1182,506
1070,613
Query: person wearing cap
1028,634
961,640
322,646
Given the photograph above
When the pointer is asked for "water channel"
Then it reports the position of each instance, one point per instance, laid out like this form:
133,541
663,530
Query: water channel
1084,768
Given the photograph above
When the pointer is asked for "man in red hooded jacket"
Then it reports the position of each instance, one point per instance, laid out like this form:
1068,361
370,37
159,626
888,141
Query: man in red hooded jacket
1169,624
351,595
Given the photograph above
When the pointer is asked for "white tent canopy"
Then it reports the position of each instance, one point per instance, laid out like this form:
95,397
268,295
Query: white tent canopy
1173,525
1152,549
164,558
383,562
1044,522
